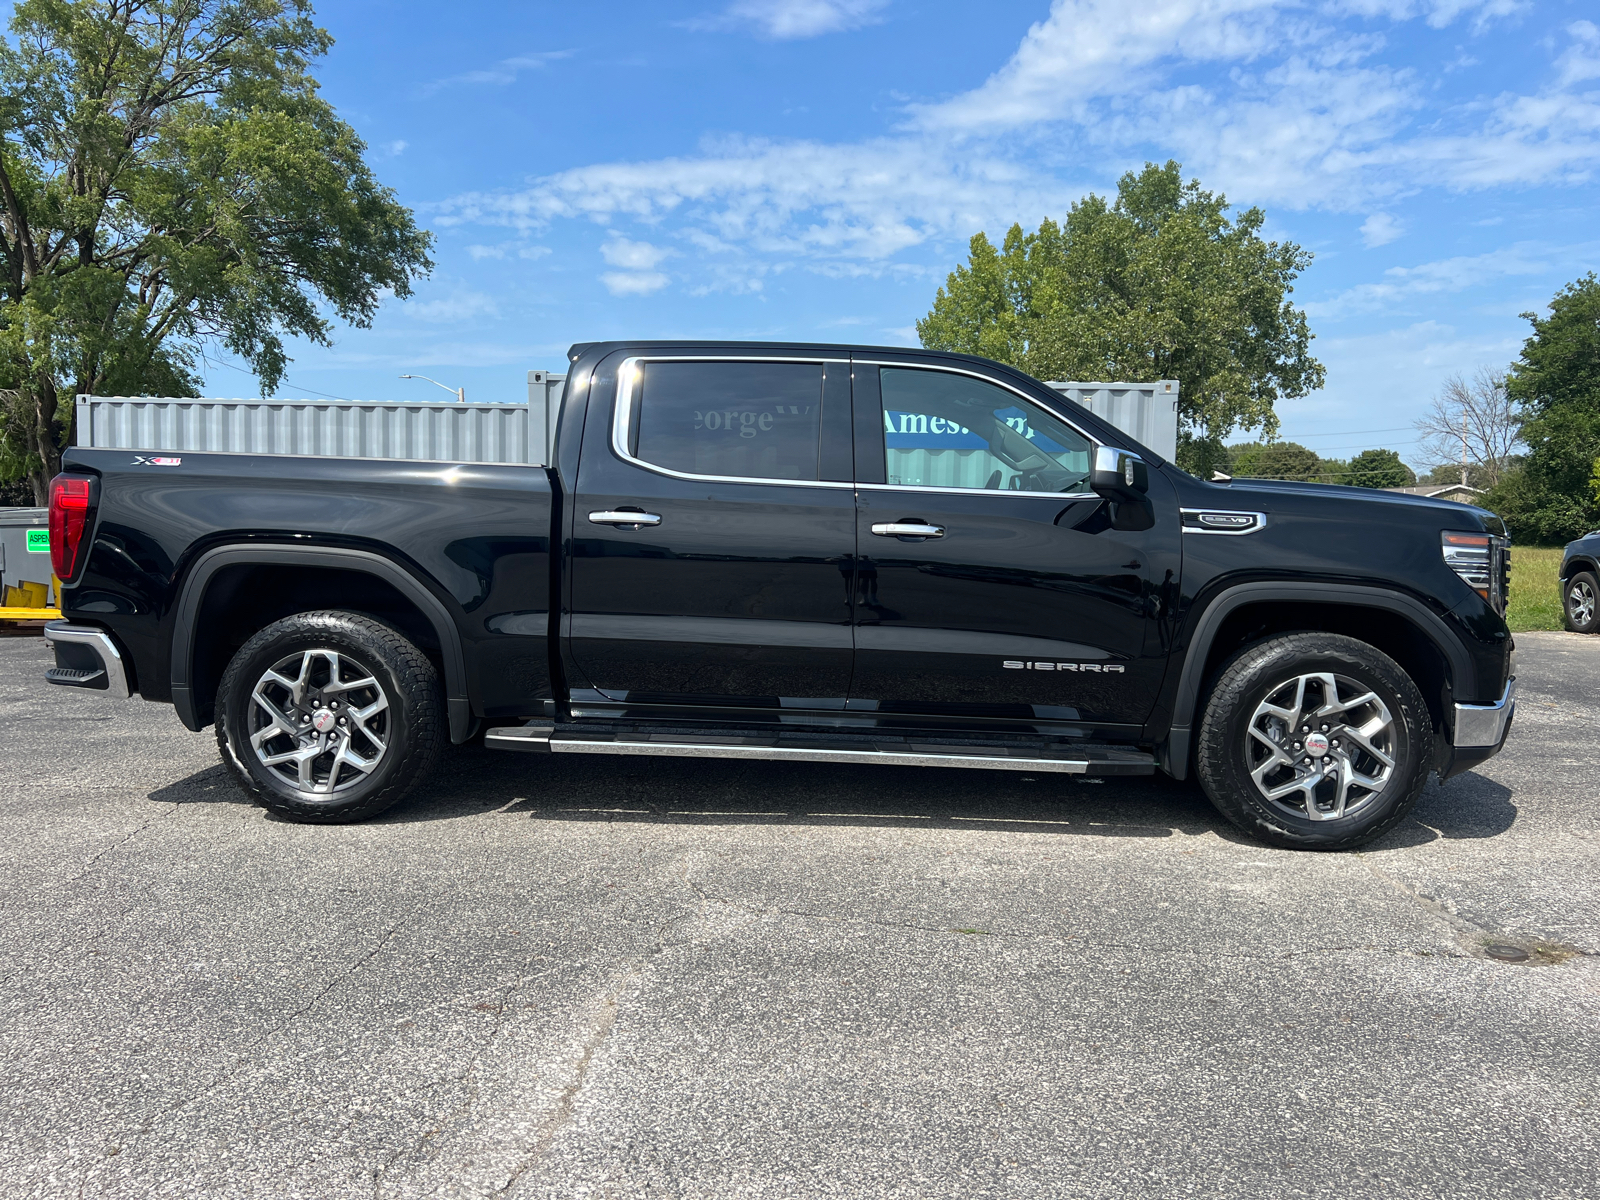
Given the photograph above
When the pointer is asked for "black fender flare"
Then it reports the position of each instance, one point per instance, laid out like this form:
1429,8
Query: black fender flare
1578,562
208,564
1175,753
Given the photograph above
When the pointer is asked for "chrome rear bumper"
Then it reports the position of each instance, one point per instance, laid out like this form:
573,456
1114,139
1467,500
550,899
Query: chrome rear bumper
86,657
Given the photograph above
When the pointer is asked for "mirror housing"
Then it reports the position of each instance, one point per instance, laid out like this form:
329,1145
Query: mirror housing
1119,474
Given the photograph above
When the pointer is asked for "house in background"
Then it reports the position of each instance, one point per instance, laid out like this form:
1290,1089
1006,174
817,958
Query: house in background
1459,492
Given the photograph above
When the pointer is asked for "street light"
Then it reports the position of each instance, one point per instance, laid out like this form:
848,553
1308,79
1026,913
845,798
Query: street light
459,393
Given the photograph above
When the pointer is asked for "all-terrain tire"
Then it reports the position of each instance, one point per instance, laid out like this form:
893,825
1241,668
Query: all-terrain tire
297,674
1260,681
1580,602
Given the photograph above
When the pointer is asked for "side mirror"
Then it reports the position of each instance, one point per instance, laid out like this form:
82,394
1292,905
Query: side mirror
1119,474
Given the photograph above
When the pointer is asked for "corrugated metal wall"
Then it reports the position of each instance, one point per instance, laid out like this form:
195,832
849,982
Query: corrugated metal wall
486,433
482,433
1147,412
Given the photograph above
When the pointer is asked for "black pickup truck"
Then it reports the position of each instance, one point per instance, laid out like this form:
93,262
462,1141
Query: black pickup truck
796,552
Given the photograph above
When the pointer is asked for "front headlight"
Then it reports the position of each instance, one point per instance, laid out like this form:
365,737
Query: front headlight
1483,561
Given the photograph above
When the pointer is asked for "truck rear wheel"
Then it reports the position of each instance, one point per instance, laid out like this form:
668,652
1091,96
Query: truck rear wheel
328,717
1314,741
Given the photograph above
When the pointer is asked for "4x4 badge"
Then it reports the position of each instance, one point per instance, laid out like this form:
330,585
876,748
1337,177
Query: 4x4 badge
1012,664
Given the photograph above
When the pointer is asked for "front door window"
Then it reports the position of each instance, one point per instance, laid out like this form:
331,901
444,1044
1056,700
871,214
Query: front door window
941,429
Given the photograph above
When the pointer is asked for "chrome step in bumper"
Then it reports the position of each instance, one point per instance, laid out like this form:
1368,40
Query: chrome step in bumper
1088,760
86,657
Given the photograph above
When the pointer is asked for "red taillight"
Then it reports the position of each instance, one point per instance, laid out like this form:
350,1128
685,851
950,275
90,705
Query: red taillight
70,498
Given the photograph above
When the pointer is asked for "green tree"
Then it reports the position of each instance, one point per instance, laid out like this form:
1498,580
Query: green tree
1556,384
170,177
1159,284
1378,469
1274,460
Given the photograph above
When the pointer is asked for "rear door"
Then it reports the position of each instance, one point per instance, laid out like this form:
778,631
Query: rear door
992,583
733,588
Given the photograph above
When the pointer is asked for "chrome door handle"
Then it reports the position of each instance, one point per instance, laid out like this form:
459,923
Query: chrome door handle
908,529
634,519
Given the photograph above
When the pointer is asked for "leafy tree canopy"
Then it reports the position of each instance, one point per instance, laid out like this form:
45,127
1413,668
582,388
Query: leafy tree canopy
1159,284
1556,383
170,176
1378,469
1274,460
1290,460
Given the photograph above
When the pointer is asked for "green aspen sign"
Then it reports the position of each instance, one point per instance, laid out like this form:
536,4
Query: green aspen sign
39,541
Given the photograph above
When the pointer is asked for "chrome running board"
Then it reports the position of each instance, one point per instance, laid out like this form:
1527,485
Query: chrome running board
1087,760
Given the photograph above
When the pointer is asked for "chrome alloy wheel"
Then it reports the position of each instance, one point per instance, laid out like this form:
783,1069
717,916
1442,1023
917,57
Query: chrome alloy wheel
1321,747
319,720
1580,602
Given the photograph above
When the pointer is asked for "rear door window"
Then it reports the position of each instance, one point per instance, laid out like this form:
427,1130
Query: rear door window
942,429
739,420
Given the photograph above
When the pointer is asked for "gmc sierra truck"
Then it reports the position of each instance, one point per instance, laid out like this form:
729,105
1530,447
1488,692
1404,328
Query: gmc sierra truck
808,553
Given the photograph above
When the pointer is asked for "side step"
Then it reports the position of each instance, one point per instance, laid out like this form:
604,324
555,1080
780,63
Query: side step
1069,760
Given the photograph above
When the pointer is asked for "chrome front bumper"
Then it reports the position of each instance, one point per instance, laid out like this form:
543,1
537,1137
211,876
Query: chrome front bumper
86,657
1479,725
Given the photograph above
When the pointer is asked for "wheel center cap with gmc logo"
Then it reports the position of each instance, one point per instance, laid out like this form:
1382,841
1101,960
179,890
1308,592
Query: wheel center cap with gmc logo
1316,743
323,720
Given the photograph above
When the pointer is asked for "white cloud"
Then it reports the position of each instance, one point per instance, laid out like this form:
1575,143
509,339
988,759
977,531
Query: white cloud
1380,229
461,305
1285,102
1581,60
1388,378
1439,13
1087,49
635,256
396,148
506,249
865,201
1301,118
638,261
1448,275
502,73
634,283
781,20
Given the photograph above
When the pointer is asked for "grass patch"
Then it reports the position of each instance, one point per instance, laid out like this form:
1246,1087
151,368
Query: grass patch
1535,601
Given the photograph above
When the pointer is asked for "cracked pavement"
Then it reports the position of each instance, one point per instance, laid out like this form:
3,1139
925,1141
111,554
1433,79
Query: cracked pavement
581,976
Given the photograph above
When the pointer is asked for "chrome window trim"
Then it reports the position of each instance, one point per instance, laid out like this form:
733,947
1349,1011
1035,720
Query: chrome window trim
1093,441
955,491
1261,521
628,374
1095,444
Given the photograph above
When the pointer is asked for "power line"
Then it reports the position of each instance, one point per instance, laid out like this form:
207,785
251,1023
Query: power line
1350,433
1357,446
290,382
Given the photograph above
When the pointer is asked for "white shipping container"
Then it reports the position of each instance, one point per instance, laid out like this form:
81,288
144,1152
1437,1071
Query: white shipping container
477,433
1146,412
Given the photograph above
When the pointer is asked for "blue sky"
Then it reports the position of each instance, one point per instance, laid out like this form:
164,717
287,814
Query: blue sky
812,169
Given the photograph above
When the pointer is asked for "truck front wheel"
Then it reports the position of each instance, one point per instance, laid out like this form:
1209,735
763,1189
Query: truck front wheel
328,717
1314,741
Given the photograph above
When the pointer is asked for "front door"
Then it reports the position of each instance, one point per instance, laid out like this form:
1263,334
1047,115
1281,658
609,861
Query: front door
733,587
991,581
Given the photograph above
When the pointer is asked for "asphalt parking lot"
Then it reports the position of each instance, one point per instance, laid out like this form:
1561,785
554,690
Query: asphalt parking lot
559,977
